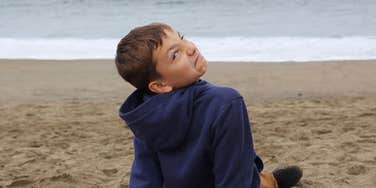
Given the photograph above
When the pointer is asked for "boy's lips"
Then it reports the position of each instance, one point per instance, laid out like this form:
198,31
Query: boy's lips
198,58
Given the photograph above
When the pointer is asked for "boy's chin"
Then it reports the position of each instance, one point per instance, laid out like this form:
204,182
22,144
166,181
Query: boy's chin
202,72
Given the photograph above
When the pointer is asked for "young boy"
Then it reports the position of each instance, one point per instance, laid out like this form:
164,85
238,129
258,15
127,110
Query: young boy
188,133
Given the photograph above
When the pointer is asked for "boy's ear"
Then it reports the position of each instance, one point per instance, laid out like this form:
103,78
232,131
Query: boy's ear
159,86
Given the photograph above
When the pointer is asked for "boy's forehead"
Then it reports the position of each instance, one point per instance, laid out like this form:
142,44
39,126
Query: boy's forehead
168,41
169,37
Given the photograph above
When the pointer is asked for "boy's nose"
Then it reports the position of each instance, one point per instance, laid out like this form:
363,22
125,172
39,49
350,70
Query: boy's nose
191,48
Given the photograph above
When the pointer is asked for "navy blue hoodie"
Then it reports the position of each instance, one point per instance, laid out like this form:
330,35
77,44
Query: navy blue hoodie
193,137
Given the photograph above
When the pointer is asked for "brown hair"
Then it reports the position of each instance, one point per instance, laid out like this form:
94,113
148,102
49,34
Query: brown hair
134,54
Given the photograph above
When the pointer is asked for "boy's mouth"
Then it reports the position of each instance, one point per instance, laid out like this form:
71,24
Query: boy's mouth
197,59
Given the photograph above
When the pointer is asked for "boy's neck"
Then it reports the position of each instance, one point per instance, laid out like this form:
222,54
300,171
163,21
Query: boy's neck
150,93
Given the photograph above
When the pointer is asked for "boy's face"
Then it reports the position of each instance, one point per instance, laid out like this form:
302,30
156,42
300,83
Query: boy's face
178,60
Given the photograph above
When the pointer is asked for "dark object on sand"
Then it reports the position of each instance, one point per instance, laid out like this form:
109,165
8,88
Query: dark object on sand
288,176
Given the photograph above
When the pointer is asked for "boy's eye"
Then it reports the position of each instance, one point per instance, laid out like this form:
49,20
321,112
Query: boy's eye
181,36
174,55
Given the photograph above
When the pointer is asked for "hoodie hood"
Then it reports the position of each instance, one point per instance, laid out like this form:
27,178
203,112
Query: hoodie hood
161,121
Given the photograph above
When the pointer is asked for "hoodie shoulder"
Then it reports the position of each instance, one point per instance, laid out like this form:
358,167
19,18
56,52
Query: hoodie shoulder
222,94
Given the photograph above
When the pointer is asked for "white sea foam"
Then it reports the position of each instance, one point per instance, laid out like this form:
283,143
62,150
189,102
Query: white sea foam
214,49
60,48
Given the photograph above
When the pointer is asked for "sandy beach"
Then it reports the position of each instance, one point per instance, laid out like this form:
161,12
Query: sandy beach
59,124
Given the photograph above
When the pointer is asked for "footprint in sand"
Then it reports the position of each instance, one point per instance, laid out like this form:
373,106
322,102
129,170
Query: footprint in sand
366,141
19,183
110,172
356,170
63,177
321,131
367,114
348,128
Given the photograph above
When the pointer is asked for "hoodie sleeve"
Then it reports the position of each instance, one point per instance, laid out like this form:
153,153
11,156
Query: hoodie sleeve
145,172
234,164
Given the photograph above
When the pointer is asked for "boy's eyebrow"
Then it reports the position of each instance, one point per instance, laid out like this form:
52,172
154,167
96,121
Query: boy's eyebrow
172,47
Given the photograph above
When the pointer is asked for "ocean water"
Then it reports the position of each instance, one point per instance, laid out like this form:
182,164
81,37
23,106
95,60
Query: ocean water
237,30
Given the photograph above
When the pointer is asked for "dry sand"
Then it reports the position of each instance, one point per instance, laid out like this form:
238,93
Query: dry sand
59,125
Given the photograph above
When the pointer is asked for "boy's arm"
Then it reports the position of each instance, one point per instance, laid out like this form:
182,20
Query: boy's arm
233,153
146,170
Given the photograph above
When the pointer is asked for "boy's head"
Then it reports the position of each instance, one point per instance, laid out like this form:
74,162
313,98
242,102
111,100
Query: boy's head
157,59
